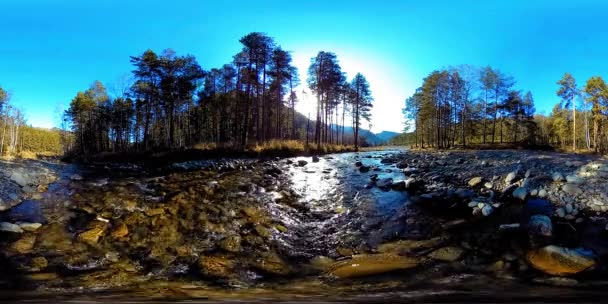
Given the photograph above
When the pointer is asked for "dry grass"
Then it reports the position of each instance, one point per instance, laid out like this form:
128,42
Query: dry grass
28,155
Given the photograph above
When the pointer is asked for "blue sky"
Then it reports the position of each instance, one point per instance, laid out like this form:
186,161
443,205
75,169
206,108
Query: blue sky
49,50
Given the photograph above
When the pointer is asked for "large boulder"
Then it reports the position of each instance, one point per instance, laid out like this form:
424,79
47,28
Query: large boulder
371,264
560,261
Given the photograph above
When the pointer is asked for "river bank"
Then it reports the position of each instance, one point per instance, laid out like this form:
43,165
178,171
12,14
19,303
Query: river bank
380,221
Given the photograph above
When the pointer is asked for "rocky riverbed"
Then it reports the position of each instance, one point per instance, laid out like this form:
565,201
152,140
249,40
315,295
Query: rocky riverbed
346,225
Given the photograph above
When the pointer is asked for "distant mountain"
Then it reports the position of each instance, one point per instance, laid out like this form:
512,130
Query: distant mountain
371,138
386,136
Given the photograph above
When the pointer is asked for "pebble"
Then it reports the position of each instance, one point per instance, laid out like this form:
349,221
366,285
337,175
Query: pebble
488,185
569,208
10,227
487,210
573,179
520,193
475,181
542,193
557,177
510,177
560,212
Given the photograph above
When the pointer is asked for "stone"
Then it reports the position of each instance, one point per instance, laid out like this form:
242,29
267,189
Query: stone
464,194
54,237
358,164
402,165
262,231
30,226
511,177
231,243
96,230
520,193
216,267
120,230
572,189
573,179
488,185
24,245
542,193
155,211
315,159
447,254
10,227
384,183
19,178
302,163
540,225
560,261
364,169
43,276
371,264
560,212
569,208
487,210
271,263
557,177
534,192
473,182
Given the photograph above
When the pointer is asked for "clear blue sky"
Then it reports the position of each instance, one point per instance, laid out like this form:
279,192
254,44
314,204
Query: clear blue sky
49,50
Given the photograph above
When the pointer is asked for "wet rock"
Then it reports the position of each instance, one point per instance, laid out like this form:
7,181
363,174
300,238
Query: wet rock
560,212
271,263
10,227
120,230
403,247
20,178
509,227
487,210
520,193
274,170
321,263
96,230
371,264
573,179
315,159
488,185
262,231
402,165
464,194
447,254
54,237
231,243
24,245
384,183
302,163
542,193
560,261
473,182
540,226
364,169
358,164
44,276
216,267
30,226
511,177
557,177
155,211
572,189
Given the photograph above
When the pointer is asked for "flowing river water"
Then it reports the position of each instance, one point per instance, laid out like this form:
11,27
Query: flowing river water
254,231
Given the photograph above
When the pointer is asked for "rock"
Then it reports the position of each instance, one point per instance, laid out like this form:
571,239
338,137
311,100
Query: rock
542,193
24,245
216,267
447,254
487,210
534,192
39,263
520,193
76,177
572,189
120,230
53,237
364,169
573,179
20,178
557,177
45,276
488,185
464,194
155,211
371,264
30,226
262,231
231,243
91,236
440,162
302,163
10,227
272,263
540,225
560,261
484,163
321,263
509,227
473,182
315,159
560,212
511,177
358,164
569,208
402,165
384,183
274,170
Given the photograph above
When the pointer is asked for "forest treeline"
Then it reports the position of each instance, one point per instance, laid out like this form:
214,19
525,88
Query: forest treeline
16,137
467,105
171,102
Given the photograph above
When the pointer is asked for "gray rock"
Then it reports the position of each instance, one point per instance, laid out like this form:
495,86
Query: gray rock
511,177
560,212
573,179
302,163
540,225
520,193
315,159
475,181
384,183
542,193
364,169
30,226
487,210
534,192
572,189
9,227
464,193
569,208
488,185
557,177
19,178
